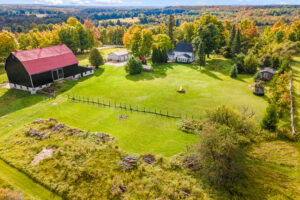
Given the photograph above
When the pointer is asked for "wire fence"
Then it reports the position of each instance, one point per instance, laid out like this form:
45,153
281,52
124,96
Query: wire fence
131,108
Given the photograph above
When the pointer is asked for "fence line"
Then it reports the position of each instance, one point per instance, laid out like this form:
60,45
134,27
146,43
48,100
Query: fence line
129,107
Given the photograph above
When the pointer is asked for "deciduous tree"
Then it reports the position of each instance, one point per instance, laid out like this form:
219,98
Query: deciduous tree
8,43
96,58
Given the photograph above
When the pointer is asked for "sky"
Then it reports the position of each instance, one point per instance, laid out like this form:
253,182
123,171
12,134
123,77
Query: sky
156,3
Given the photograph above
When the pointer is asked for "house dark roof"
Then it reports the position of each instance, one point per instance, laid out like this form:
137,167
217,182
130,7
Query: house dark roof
267,69
184,47
171,52
186,55
46,59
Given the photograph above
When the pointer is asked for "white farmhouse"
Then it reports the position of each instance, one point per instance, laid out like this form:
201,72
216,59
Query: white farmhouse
119,56
183,52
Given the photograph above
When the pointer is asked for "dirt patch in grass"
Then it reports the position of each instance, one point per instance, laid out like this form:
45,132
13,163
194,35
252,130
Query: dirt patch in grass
45,153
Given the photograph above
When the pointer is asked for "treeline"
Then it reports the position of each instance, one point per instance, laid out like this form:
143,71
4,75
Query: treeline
77,36
19,19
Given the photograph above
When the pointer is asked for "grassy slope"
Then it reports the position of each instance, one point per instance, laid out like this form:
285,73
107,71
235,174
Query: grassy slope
84,166
28,187
296,90
274,172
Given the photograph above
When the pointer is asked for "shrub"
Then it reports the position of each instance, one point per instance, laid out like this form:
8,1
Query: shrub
219,154
96,58
266,61
239,61
270,118
134,66
275,61
233,71
242,122
250,64
191,126
227,52
257,76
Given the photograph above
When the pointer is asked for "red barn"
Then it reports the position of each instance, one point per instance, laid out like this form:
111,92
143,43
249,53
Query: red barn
35,69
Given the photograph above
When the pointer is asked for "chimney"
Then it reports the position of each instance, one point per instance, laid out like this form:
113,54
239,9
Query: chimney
15,51
41,47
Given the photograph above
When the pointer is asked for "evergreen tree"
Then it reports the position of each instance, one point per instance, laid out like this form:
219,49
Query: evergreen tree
201,55
96,58
134,66
270,118
234,71
154,55
171,24
237,43
232,36
165,55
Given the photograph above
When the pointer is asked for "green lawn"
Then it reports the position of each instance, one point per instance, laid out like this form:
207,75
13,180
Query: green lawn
140,132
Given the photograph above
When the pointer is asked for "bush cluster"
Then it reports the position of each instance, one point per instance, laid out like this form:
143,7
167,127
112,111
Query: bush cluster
134,66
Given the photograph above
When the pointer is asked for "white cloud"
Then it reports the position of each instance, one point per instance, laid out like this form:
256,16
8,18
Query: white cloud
108,1
52,2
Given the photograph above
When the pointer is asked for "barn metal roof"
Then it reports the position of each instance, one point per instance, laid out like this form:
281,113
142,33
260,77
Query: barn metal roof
121,53
45,59
268,69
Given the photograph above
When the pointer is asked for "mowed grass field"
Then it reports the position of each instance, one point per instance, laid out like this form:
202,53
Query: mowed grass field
139,133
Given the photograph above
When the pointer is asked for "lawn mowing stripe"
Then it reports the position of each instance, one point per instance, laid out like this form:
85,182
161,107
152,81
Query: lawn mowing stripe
25,184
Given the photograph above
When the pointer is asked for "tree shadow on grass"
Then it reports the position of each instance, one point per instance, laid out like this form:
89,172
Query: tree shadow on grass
159,71
13,99
204,70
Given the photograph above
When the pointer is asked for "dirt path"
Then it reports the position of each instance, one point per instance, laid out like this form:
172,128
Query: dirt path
24,184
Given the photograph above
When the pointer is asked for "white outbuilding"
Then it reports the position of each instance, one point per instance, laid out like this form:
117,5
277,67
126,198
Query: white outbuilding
119,56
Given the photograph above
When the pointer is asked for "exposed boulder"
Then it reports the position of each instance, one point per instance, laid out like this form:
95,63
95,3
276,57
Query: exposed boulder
123,117
149,159
102,137
118,189
74,131
38,121
58,127
192,163
129,162
35,133
52,120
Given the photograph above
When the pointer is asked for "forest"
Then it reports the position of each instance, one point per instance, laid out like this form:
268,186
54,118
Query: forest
183,130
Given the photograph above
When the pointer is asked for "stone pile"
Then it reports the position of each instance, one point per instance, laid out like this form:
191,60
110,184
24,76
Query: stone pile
129,162
149,159
102,137
35,133
58,127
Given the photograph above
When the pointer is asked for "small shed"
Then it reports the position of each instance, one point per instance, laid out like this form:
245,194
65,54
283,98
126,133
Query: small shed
267,73
119,56
259,89
35,69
